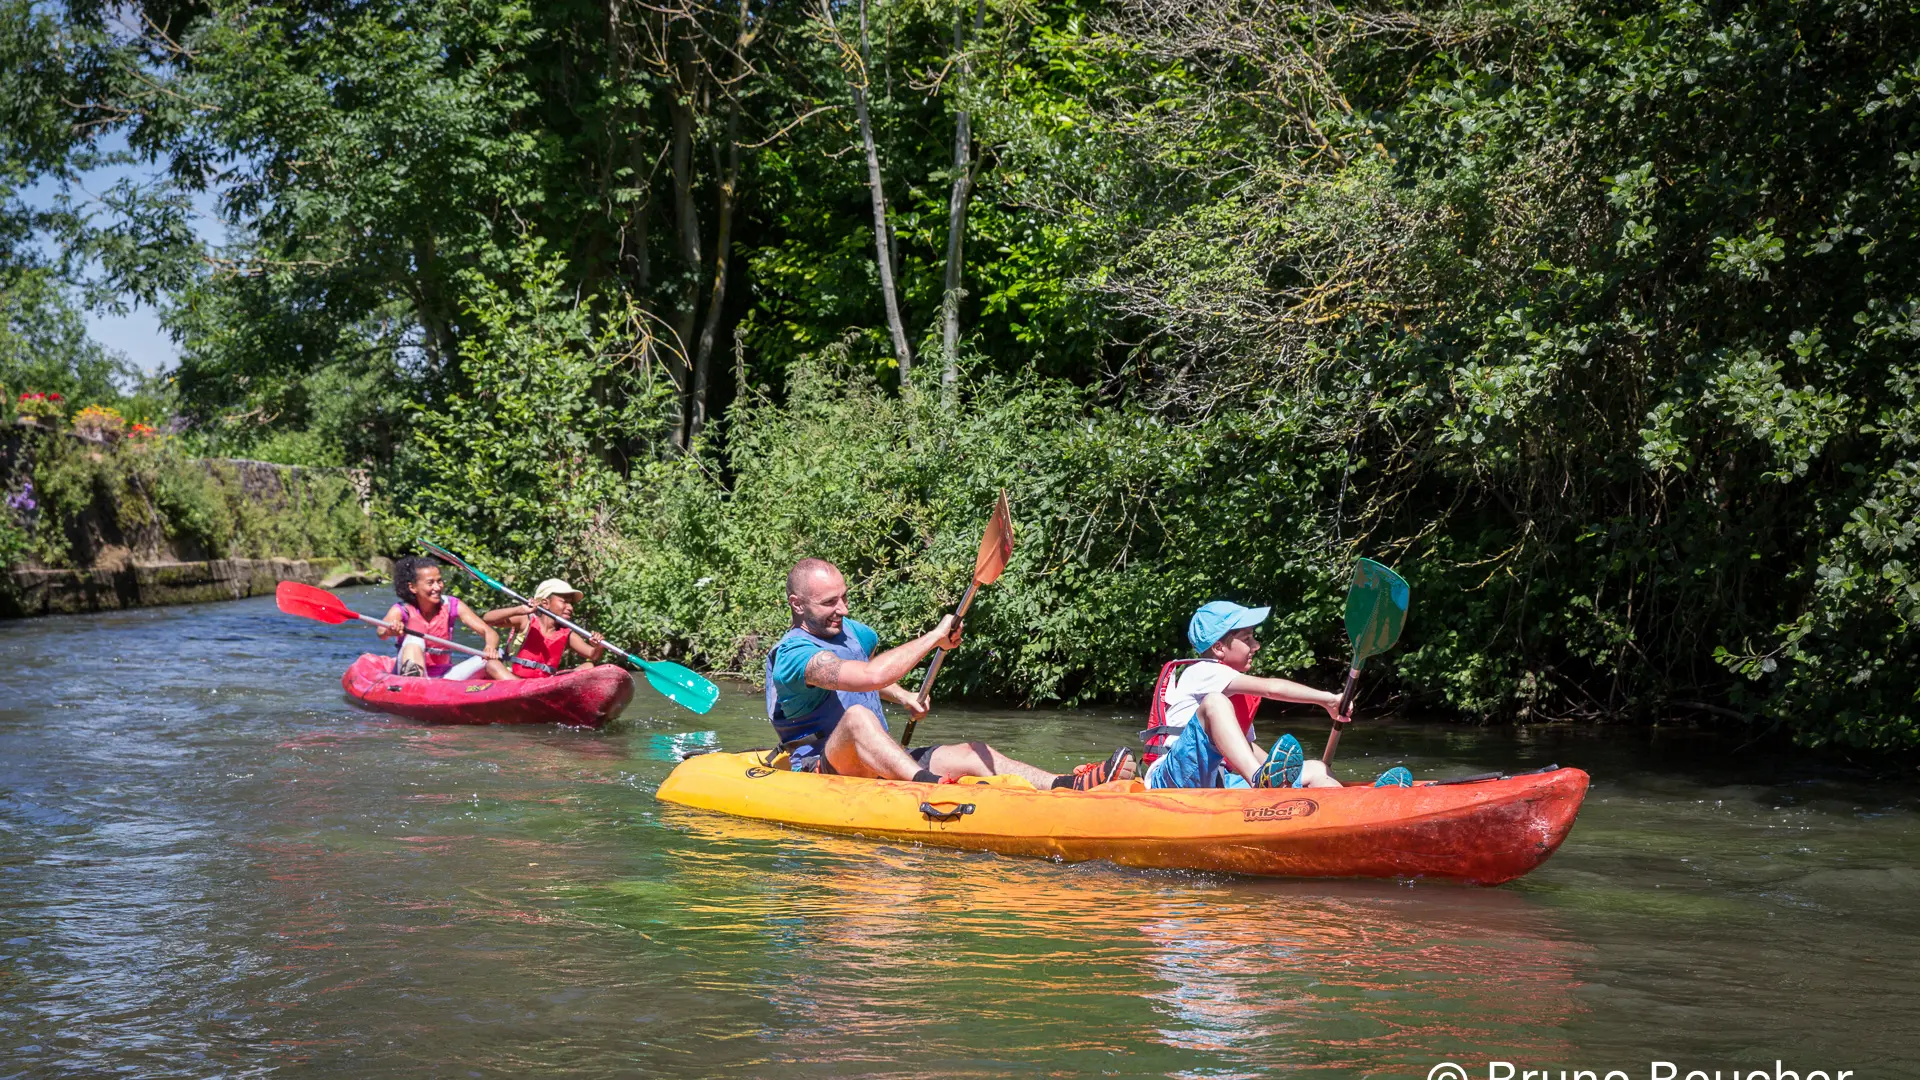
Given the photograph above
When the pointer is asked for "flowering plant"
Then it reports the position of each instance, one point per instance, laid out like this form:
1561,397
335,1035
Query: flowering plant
142,431
99,422
47,406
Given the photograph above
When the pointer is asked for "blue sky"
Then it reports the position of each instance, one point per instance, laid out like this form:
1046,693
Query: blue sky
136,334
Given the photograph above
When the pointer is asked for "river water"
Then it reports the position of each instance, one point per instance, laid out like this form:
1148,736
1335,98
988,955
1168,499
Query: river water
211,866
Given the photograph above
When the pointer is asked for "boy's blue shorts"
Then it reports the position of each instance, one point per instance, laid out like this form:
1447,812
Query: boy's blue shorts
1193,762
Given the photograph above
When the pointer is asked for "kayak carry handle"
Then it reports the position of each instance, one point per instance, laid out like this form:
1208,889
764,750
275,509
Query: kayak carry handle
959,811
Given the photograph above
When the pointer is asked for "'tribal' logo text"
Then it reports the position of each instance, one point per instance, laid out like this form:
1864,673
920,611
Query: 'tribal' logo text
1286,811
1658,1070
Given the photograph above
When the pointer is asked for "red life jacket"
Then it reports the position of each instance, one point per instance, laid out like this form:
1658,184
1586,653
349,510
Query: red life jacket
1154,739
440,626
542,648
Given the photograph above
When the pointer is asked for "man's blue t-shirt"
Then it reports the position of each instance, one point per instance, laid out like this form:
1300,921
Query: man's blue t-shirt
787,668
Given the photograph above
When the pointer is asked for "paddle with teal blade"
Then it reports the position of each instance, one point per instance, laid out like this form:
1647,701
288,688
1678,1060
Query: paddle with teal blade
1376,613
681,685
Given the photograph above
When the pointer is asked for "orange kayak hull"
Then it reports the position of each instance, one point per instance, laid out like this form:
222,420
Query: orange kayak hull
1482,833
582,697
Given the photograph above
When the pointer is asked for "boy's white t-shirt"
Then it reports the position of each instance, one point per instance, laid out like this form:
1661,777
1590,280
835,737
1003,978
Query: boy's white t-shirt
1194,683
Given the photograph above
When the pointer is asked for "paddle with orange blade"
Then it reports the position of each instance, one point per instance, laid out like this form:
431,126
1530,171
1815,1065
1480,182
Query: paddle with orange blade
996,547
319,604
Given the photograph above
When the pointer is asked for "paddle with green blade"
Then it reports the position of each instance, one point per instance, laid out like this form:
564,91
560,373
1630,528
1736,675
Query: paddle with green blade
680,685
1376,613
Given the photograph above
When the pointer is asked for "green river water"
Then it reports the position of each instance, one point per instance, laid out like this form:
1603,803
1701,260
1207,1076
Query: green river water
211,866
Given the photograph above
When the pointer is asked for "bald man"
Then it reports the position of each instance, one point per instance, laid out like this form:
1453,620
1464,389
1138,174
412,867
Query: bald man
824,681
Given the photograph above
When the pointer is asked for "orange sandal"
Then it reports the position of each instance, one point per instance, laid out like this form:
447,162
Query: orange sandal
1095,773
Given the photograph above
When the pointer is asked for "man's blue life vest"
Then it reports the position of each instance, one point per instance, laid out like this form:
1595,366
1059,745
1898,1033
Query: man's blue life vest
825,715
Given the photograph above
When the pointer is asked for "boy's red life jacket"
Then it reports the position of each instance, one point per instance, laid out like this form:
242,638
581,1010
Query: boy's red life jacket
1154,739
542,648
440,626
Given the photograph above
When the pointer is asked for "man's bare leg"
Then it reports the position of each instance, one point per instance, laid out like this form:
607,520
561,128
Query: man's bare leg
979,759
859,746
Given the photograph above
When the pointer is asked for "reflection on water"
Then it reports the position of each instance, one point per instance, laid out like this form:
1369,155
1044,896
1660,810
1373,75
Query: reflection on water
210,865
915,949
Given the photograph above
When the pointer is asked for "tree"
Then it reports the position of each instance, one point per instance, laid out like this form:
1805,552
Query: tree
858,63
963,167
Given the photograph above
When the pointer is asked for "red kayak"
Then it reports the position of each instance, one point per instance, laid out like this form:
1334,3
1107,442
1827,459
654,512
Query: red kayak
582,697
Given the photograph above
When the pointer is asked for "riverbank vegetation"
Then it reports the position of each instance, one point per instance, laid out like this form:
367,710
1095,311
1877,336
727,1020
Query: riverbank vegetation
76,503
1597,321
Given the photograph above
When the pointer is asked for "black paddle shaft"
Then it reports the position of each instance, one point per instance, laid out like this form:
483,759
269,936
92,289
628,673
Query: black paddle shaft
1345,717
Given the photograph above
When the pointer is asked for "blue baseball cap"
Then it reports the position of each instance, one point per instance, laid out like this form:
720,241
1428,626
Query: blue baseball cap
1218,619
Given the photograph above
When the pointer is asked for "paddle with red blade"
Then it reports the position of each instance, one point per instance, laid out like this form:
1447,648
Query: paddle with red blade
309,602
996,547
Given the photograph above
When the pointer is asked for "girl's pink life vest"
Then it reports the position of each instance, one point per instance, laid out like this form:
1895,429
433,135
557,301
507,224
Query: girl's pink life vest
542,648
1154,739
439,659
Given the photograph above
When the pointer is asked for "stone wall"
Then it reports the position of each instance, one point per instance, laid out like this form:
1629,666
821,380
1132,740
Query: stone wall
66,592
113,566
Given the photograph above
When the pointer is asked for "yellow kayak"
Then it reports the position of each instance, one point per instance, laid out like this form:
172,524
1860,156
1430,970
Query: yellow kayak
1484,832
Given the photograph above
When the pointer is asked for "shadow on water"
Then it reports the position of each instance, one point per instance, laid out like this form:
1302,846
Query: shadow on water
211,865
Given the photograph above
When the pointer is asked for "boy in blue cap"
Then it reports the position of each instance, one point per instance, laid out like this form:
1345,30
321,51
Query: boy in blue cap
1217,750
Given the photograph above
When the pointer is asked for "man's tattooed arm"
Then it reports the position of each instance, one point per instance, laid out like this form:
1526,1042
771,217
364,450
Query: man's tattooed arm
823,671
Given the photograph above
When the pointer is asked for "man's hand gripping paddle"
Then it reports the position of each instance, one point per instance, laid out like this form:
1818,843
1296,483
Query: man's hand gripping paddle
311,603
1376,612
682,686
996,547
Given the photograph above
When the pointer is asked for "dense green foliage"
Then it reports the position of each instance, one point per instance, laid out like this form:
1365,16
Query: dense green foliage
1596,320
1124,524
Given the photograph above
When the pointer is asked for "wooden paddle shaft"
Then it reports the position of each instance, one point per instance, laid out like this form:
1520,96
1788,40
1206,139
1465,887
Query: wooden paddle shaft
939,655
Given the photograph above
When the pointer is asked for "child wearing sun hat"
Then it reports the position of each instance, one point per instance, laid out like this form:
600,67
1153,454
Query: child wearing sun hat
1207,742
547,641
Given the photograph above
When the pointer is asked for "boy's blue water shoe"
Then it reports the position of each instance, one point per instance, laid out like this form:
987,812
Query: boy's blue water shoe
1397,776
1282,767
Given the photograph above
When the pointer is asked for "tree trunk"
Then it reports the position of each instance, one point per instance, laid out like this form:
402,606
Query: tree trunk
901,352
957,210
723,235
686,220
